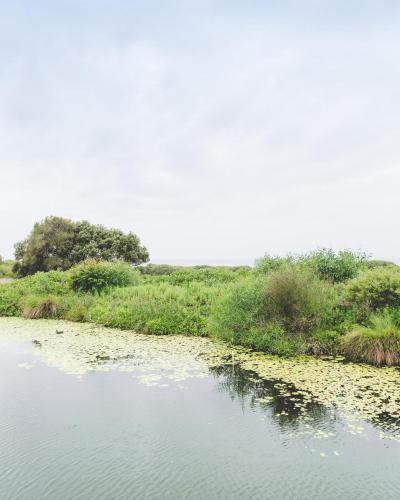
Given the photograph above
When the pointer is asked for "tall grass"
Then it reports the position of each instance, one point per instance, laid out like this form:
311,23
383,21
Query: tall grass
377,344
284,307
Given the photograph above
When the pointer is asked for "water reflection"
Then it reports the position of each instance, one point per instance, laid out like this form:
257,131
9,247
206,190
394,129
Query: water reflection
288,406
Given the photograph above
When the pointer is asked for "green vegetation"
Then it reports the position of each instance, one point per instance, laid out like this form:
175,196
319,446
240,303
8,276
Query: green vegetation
378,343
6,268
373,290
325,263
58,244
96,276
278,312
322,303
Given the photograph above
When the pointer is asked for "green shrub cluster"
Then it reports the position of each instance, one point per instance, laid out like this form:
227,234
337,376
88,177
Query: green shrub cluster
327,264
96,276
337,267
6,268
276,312
375,289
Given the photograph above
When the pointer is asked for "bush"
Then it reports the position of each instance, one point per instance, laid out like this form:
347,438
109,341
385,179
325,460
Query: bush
96,276
335,267
298,299
273,339
373,290
238,311
325,263
276,313
322,342
270,263
6,268
10,300
378,343
158,269
52,282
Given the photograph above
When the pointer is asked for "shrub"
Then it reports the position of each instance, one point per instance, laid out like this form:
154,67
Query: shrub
298,299
271,338
13,295
373,290
10,300
158,269
238,311
335,267
275,313
378,343
322,342
325,263
96,276
270,263
41,283
6,267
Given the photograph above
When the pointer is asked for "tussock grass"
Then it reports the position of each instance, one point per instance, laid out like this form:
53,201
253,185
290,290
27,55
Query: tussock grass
377,344
38,307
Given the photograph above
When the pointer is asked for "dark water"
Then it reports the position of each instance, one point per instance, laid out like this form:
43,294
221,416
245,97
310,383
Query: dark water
107,436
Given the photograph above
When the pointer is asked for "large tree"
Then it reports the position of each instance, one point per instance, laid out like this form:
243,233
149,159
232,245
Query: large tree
57,243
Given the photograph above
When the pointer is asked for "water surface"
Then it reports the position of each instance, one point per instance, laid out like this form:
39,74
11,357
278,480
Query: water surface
95,413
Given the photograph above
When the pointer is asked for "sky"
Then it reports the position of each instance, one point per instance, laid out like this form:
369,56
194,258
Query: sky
217,131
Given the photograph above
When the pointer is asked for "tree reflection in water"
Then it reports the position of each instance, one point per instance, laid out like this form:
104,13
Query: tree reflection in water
287,406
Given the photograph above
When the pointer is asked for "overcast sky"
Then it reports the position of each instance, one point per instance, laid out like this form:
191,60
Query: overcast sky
217,131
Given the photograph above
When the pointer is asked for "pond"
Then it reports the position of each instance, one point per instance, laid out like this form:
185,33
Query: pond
93,413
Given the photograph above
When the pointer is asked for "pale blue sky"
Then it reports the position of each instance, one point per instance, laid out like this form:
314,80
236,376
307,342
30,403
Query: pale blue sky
217,131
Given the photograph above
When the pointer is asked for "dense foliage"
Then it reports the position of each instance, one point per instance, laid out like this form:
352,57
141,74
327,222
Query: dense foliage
322,303
58,244
6,268
325,263
95,276
375,289
280,309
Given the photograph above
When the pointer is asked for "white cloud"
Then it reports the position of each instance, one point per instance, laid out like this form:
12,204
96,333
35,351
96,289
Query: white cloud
249,139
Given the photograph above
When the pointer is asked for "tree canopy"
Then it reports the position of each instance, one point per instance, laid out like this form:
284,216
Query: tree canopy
57,244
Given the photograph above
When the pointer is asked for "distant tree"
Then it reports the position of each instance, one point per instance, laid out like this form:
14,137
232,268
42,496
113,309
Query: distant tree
57,243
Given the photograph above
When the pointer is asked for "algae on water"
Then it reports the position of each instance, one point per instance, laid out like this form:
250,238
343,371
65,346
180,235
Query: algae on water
357,392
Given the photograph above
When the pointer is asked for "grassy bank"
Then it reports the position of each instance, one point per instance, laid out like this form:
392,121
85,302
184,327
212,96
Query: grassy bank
322,303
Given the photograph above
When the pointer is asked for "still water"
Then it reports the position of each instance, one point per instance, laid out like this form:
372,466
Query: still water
89,413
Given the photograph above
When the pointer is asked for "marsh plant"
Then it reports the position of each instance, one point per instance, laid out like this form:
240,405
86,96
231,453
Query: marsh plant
96,276
377,343
322,303
276,312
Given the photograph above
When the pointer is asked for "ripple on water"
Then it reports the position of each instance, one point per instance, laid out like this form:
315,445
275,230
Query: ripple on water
164,419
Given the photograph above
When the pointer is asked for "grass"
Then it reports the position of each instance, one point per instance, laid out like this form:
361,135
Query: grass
283,309
376,344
